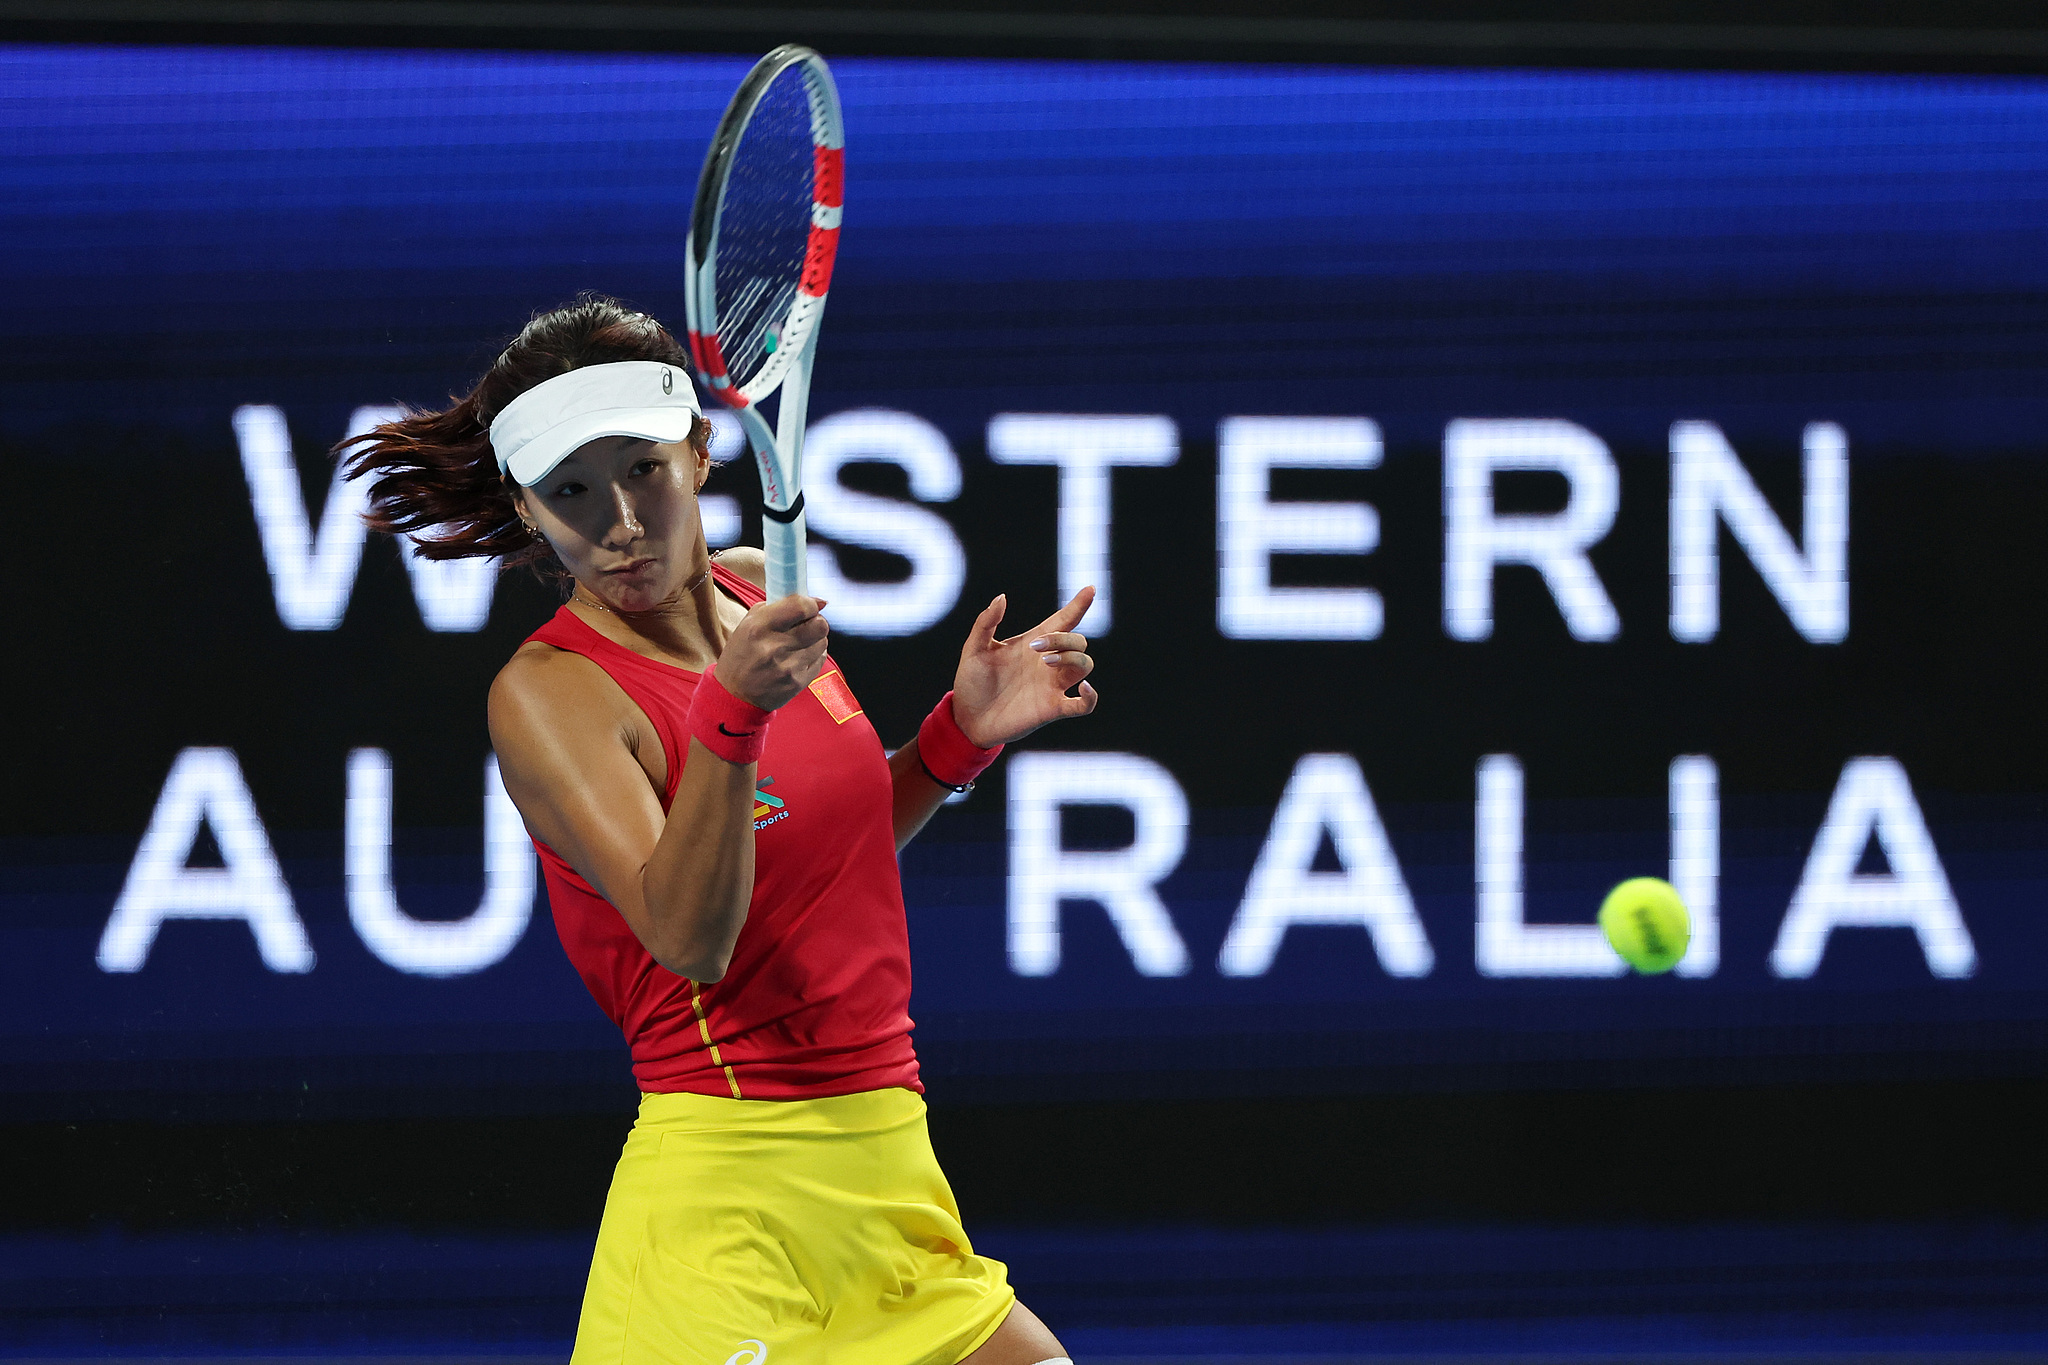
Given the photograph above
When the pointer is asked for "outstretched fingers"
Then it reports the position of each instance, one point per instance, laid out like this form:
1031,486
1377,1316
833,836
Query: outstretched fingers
982,634
1067,617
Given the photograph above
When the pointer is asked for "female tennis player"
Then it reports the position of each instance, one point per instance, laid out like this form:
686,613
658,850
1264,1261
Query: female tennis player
718,825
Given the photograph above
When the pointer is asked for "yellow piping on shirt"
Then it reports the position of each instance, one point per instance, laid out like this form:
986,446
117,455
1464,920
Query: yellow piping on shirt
704,1031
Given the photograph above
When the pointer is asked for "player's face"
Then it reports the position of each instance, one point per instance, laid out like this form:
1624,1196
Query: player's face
622,516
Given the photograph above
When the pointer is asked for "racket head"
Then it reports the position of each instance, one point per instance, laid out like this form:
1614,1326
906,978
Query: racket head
764,227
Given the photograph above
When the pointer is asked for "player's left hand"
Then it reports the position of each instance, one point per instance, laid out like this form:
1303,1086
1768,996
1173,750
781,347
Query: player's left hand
1005,689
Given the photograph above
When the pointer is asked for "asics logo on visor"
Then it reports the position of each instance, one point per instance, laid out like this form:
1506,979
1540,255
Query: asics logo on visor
668,381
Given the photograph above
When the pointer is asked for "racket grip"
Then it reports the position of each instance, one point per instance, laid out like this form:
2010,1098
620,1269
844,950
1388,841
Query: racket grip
782,542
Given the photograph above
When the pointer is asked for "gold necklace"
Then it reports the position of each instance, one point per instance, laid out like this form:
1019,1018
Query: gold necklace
592,601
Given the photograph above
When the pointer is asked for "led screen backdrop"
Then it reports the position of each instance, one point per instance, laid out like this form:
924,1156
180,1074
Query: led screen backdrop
1498,485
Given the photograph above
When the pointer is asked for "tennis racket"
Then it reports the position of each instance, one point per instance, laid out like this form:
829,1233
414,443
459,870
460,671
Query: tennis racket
763,233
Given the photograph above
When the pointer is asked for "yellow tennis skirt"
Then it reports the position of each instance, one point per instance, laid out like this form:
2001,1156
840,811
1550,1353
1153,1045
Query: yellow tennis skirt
785,1232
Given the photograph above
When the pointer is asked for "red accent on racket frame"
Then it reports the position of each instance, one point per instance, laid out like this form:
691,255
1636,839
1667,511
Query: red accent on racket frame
711,362
828,176
819,254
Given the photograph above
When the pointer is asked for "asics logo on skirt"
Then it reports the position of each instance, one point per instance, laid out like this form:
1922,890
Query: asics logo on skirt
749,1353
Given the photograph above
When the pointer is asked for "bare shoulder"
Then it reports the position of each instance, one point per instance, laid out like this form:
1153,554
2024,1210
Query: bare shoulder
746,561
541,687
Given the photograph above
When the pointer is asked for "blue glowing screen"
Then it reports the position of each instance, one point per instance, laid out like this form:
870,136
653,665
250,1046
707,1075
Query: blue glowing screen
1502,484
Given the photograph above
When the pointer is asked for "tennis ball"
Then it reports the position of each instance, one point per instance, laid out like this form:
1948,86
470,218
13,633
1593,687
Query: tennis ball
1647,924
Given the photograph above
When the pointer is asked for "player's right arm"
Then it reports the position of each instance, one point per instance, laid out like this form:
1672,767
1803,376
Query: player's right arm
584,767
570,745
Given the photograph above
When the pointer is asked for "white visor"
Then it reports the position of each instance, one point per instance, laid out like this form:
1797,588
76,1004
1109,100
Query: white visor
647,399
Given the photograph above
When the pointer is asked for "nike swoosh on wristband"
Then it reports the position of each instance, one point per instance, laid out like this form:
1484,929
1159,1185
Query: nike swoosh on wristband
735,734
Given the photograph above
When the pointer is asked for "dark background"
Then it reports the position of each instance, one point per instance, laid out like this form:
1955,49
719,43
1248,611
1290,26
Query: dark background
1786,35
1903,299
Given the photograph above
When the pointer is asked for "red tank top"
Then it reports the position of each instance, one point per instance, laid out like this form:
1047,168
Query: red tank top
816,1001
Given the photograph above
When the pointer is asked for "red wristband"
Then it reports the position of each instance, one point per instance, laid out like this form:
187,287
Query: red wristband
947,753
735,730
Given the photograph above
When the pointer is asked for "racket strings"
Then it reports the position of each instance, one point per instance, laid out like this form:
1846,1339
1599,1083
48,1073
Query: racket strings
764,228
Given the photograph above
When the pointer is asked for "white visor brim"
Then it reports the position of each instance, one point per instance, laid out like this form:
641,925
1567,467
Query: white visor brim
647,400
538,457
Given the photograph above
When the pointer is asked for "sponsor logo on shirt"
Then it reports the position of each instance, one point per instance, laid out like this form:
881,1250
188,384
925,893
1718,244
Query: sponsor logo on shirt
767,810
750,1353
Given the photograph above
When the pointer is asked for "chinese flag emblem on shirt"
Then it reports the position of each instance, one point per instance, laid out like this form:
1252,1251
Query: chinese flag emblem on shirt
837,697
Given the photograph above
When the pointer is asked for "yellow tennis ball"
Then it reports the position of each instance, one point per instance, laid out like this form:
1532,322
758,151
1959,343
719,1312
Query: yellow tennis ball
1647,924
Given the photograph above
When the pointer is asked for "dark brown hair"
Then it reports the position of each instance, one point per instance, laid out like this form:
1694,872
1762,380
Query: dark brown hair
434,475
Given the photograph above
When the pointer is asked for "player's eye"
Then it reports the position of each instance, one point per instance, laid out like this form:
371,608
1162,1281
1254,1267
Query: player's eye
646,466
567,490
